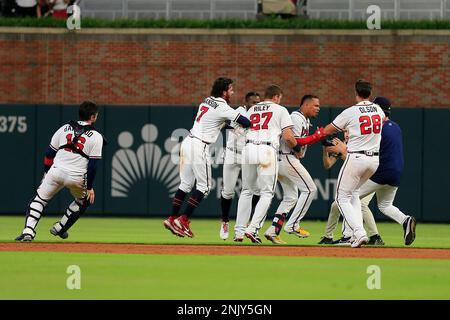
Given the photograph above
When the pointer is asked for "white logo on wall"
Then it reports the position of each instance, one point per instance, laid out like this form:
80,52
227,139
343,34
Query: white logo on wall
74,20
147,161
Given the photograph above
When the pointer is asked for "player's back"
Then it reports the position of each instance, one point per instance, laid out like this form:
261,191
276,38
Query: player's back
90,142
364,123
210,117
268,120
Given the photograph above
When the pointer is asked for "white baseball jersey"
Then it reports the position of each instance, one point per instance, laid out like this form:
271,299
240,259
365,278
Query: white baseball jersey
91,143
236,137
364,122
211,115
268,120
301,130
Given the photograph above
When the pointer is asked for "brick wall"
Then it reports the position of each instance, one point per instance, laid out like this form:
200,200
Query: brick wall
142,67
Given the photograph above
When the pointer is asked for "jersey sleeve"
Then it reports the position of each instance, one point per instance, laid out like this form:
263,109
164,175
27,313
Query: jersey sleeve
286,120
55,142
97,146
229,113
342,120
299,124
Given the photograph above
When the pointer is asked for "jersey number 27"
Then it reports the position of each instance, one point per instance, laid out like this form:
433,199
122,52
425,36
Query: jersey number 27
255,120
369,124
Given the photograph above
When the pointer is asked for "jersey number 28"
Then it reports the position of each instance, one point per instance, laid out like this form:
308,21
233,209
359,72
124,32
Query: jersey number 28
369,124
255,120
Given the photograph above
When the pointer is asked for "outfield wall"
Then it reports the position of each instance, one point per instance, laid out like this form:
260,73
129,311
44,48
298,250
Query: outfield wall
140,167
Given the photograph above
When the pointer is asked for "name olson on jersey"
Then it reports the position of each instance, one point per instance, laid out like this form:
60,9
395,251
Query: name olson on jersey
367,109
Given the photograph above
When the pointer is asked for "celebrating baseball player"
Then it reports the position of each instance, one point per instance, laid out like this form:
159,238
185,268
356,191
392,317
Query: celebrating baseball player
195,163
70,161
232,165
363,121
269,121
293,176
333,150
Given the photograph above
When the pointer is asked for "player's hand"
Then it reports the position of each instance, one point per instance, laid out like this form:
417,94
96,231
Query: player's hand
336,141
91,196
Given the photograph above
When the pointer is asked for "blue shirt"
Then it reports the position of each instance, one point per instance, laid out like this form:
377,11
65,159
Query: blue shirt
391,164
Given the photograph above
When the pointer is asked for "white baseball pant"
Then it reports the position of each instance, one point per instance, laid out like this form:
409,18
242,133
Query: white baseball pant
355,171
369,221
195,165
231,168
385,198
259,173
293,177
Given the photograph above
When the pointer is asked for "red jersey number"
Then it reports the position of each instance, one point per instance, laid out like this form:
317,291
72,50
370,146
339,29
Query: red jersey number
79,144
370,124
255,120
203,110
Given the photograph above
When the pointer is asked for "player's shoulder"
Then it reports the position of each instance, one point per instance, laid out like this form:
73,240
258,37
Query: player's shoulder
241,110
298,115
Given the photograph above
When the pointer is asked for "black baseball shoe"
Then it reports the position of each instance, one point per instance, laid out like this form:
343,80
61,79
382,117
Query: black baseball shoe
375,240
25,237
344,241
53,231
409,229
326,240
253,236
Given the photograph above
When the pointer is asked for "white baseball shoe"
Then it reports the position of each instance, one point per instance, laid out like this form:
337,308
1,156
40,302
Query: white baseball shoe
359,242
224,231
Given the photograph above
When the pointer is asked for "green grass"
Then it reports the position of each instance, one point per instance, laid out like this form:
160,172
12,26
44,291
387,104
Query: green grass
267,23
42,275
140,230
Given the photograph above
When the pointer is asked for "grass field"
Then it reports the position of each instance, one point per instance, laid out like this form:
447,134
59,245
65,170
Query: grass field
42,275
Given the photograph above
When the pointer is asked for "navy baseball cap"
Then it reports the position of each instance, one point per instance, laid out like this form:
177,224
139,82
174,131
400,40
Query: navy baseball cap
384,103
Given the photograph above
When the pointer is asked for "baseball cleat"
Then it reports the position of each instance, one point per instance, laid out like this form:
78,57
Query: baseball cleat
409,228
375,240
238,238
326,240
54,232
344,241
170,225
271,235
25,237
182,223
253,236
359,242
299,232
224,233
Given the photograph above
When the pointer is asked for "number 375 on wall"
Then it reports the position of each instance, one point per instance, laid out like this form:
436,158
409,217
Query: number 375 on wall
10,124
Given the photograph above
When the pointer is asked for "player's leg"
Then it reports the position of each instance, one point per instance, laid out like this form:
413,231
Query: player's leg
51,184
187,182
290,196
202,171
308,190
369,221
385,196
333,219
348,183
230,175
249,187
267,172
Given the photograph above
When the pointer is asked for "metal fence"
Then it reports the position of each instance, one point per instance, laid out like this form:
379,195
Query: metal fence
169,9
390,9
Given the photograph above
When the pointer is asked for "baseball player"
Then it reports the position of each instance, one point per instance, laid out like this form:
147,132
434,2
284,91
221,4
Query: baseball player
70,161
333,150
363,121
269,121
293,176
232,165
195,163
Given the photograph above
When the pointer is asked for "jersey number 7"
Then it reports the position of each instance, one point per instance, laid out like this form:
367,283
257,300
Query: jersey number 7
369,124
255,120
203,110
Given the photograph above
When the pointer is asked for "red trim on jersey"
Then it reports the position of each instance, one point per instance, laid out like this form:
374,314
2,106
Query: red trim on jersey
337,127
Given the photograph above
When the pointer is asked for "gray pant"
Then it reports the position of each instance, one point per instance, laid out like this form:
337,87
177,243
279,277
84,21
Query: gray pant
333,219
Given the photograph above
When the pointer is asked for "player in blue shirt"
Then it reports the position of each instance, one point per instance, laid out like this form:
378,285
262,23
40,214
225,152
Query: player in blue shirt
386,179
